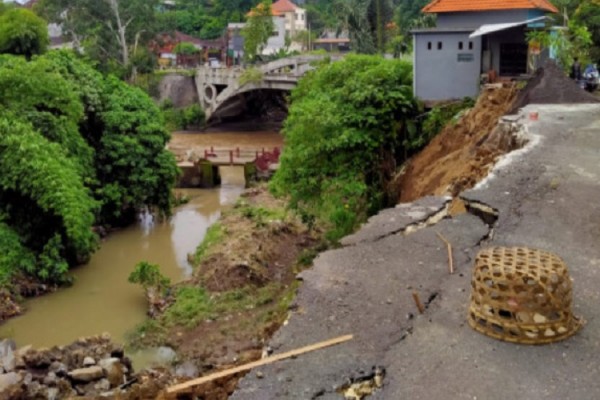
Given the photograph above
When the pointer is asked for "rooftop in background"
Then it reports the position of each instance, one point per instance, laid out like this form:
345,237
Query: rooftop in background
274,12
442,6
284,6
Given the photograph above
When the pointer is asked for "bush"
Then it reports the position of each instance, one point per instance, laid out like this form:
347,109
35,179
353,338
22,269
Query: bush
193,116
149,276
186,48
346,133
23,33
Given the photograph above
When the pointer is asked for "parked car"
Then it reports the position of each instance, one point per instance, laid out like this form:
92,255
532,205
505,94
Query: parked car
214,62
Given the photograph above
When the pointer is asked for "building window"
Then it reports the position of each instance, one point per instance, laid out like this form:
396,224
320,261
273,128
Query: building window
428,45
439,45
460,45
470,45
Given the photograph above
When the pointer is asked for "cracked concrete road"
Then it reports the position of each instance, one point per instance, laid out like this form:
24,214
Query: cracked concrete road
546,195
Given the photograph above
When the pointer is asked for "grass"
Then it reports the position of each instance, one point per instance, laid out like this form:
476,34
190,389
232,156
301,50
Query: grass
214,235
193,305
260,215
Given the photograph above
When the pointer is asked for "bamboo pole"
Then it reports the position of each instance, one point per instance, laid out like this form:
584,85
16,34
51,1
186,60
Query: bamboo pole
264,361
449,248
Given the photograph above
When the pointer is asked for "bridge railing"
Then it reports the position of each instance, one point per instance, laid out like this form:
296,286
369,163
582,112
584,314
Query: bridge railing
237,156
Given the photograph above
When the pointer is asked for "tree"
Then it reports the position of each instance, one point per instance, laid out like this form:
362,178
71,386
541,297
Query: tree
258,29
23,33
77,150
107,29
186,48
567,44
588,15
365,21
348,127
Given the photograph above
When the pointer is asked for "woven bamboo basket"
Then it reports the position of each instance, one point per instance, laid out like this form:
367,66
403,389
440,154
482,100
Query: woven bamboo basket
522,295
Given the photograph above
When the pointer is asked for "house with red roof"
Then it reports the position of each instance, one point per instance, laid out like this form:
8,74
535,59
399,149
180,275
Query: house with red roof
295,17
474,39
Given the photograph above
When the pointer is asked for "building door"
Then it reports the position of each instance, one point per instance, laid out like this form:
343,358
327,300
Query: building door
513,59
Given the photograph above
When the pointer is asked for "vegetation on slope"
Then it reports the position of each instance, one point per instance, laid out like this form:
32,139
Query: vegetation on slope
350,124
77,150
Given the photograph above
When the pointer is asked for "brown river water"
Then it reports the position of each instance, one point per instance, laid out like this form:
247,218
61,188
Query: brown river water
101,299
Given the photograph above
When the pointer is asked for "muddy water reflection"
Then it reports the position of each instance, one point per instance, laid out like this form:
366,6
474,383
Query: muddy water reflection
102,300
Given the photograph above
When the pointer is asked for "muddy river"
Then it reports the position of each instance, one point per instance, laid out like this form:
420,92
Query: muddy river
101,300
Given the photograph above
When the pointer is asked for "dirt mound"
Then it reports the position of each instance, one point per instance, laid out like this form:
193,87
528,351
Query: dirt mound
550,85
462,153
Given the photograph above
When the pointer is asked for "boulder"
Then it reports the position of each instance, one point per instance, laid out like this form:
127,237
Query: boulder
187,370
50,379
114,371
8,380
88,374
103,385
52,393
88,362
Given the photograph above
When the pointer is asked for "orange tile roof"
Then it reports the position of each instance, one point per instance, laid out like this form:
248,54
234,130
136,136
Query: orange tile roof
284,6
274,13
441,6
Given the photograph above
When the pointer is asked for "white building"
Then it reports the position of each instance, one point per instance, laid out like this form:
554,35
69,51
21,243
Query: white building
295,17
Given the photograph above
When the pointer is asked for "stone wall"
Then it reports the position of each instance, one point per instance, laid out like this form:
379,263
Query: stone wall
180,89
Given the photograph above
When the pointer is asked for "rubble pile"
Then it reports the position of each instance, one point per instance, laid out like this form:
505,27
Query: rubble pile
93,367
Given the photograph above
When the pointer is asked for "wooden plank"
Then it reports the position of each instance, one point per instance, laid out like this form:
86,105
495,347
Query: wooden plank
264,361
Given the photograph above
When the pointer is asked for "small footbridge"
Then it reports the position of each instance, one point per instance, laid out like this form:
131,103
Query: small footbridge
221,90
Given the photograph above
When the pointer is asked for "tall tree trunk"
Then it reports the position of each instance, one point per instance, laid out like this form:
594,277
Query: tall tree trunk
121,29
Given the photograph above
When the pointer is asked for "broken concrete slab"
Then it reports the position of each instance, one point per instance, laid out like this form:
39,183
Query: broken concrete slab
394,220
366,290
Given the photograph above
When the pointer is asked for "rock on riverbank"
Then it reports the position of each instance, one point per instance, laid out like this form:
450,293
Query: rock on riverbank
93,367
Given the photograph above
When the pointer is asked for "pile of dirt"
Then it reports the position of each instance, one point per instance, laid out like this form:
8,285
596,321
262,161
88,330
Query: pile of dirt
550,85
463,153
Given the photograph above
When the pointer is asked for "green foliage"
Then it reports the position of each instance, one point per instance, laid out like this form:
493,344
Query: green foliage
439,117
567,44
144,61
346,131
14,256
186,48
588,14
108,30
194,304
261,216
193,115
149,83
44,198
182,118
365,21
23,33
42,96
76,150
149,276
258,29
132,164
214,234
251,75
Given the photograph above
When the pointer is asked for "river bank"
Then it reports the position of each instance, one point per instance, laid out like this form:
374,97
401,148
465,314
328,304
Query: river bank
239,293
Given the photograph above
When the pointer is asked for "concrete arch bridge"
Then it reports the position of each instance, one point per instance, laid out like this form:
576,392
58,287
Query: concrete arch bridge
222,95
